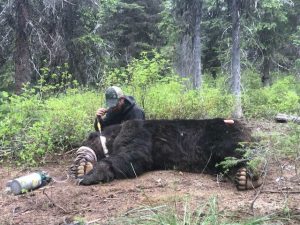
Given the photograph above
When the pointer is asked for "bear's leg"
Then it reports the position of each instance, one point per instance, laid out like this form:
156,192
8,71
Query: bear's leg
245,180
101,172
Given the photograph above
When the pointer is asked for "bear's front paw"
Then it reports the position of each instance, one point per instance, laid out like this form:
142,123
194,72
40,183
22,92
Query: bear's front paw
245,182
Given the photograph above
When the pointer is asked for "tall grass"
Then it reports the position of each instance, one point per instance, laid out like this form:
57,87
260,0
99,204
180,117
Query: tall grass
190,213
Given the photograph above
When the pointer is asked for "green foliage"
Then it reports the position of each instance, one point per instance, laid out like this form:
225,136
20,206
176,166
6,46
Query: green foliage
131,27
163,98
251,80
169,29
79,220
64,123
281,97
295,37
206,213
141,74
178,102
154,84
187,104
54,116
189,213
31,127
228,163
287,143
297,68
18,113
254,157
6,76
56,82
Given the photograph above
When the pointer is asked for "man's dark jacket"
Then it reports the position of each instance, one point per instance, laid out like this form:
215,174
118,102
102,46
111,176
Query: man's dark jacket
129,111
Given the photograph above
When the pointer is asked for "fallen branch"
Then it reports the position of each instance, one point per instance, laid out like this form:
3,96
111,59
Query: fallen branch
94,221
261,187
283,118
275,192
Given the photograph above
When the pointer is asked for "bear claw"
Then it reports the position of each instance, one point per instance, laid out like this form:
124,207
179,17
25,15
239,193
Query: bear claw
245,182
81,169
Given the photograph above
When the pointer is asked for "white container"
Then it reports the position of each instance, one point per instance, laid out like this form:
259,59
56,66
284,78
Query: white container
27,183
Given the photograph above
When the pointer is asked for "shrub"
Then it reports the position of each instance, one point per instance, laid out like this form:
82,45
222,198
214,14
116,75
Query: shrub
163,94
266,102
140,75
65,122
33,127
287,145
18,113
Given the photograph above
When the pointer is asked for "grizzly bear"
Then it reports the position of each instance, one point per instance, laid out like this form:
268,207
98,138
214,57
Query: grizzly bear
135,147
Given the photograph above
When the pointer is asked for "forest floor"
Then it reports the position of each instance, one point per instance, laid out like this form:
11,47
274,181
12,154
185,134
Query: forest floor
63,202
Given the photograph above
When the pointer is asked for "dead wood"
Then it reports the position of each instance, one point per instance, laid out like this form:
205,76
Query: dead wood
284,118
280,192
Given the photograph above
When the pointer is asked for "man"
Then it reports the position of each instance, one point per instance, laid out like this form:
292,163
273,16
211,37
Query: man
119,109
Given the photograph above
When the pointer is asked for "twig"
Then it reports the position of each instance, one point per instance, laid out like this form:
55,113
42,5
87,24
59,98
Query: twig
274,192
207,162
44,192
106,199
71,151
255,198
82,210
260,189
94,221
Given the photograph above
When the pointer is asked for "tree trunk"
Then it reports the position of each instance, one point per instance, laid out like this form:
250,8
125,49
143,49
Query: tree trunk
22,52
69,22
184,57
235,60
189,57
197,76
265,78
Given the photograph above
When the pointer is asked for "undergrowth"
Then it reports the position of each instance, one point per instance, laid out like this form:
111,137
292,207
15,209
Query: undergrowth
192,213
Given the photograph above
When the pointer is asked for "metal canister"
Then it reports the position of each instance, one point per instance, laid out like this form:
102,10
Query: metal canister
27,183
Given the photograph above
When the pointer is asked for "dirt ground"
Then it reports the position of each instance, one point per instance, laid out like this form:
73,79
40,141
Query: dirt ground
62,201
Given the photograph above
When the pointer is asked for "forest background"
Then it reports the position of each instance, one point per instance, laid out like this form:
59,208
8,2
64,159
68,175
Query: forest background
179,59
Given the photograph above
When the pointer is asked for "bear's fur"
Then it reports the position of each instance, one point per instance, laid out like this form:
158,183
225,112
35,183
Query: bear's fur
137,146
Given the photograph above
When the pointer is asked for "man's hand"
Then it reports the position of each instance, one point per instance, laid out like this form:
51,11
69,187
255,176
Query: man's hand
101,112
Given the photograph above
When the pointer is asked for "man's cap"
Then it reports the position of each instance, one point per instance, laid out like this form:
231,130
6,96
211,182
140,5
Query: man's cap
112,95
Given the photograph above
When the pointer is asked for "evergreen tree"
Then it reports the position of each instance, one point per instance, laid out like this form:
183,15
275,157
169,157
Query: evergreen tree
132,27
188,14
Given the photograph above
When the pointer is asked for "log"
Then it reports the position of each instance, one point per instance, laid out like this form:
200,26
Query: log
284,118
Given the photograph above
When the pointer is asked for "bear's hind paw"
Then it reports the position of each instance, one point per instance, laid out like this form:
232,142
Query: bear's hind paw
245,182
81,169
